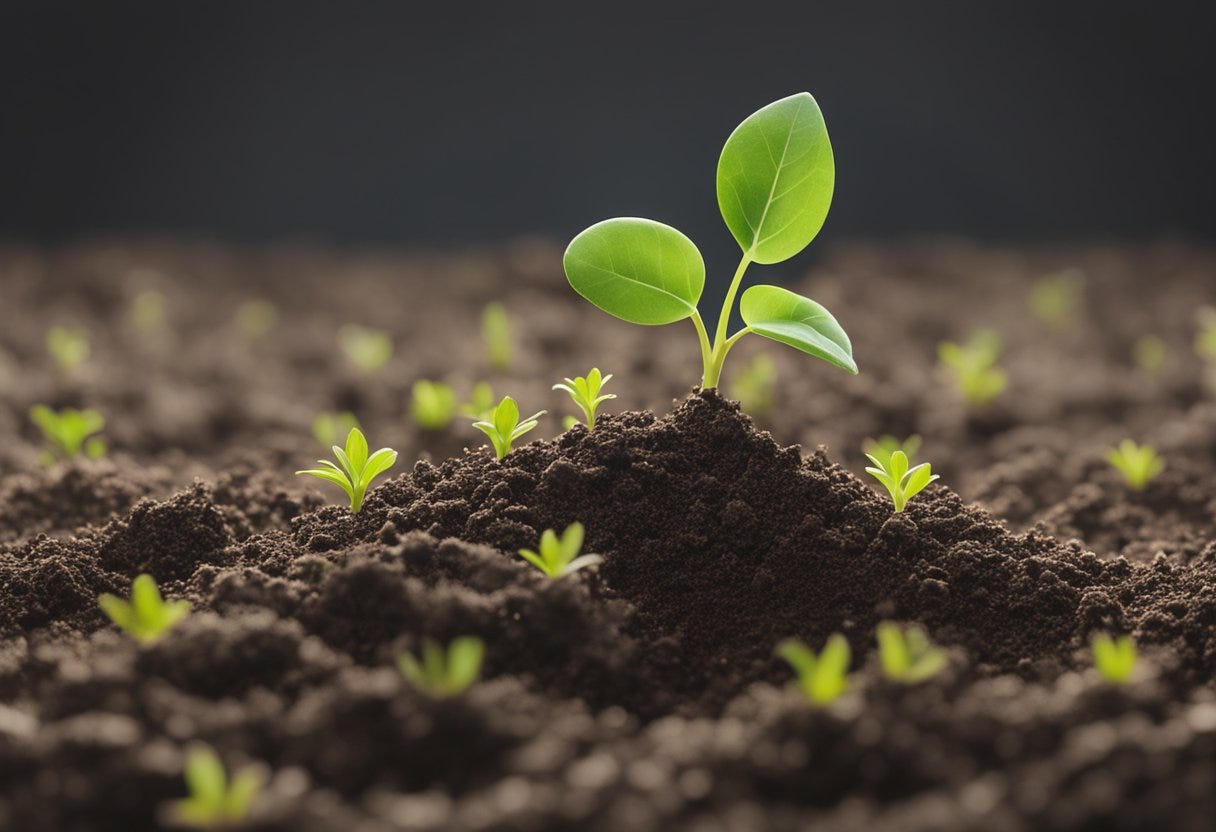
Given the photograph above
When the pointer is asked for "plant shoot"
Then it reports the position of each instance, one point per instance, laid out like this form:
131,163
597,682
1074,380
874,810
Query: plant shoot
1054,299
972,366
907,656
329,428
884,446
214,802
504,425
820,678
585,391
368,349
902,483
496,332
481,402
433,404
442,673
355,469
1114,657
1139,464
69,346
146,616
559,557
69,432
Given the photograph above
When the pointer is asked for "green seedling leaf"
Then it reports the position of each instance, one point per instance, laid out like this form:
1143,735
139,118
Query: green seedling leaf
908,656
433,405
496,332
972,366
503,426
146,616
820,678
1115,658
1150,353
442,673
69,432
255,318
884,446
481,402
1054,299
214,802
68,346
902,483
366,348
1139,464
797,322
355,469
329,428
559,556
585,391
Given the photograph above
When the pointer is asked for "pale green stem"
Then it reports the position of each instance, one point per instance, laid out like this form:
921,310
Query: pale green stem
722,344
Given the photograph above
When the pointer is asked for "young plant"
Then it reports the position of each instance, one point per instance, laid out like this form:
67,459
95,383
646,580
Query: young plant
69,432
147,616
355,469
504,426
559,557
1138,464
1054,299
366,348
255,318
754,388
774,185
481,402
902,483
820,678
496,331
68,346
441,673
329,428
586,393
1150,353
433,404
1205,338
214,802
973,366
908,656
1115,658
884,446
148,310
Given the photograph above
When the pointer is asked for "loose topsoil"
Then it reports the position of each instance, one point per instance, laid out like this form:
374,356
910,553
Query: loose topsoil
642,694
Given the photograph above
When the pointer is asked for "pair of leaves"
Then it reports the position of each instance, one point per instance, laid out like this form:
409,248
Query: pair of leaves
908,656
973,366
146,616
884,446
443,673
213,800
559,557
355,469
368,349
901,482
1115,658
503,426
585,391
68,431
1139,464
433,404
820,678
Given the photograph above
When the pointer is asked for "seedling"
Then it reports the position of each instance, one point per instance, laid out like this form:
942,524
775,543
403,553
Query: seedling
255,318
69,432
148,310
902,483
329,428
433,405
774,185
496,331
823,678
908,656
214,802
504,426
442,673
1114,657
884,446
1139,464
355,469
1150,353
366,348
481,402
1054,298
585,390
559,557
147,616
68,346
973,366
1205,338
754,388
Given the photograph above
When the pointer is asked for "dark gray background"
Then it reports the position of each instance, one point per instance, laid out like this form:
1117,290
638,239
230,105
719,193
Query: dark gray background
404,122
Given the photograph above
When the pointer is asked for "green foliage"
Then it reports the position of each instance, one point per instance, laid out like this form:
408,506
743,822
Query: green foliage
496,332
68,346
1150,353
148,310
214,802
1139,464
1054,299
1115,658
368,349
902,483
884,446
329,428
585,391
820,678
774,185
755,387
433,405
908,656
355,469
441,673
255,318
559,557
973,366
1205,338
481,402
147,616
504,425
69,432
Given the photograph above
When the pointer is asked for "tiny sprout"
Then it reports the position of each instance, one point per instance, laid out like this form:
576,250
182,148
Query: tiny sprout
1150,353
504,426
902,483
69,432
1138,463
1205,338
147,616
255,318
973,366
496,331
368,349
357,468
754,387
442,674
481,402
329,428
214,802
908,656
433,404
1115,658
884,446
148,310
823,678
568,422
68,346
559,557
586,393
1054,298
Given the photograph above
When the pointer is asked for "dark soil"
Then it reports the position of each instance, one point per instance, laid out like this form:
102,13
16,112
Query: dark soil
642,694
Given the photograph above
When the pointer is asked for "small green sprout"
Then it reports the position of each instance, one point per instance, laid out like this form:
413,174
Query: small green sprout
69,432
775,179
1115,658
148,310
1150,353
504,426
214,802
755,387
68,346
1054,298
255,318
586,393
1205,338
433,404
1139,464
908,656
329,428
884,446
496,331
559,557
481,402
147,616
823,678
368,349
973,366
902,483
442,674
356,469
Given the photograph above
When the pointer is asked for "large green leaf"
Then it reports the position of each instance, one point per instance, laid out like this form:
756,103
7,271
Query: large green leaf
797,321
639,270
775,178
